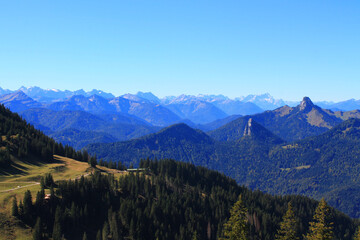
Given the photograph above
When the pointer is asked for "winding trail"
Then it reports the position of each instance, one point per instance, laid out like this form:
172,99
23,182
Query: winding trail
18,187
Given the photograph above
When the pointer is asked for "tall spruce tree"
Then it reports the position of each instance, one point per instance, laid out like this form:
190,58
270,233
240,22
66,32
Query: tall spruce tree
28,207
288,226
105,231
37,230
57,230
84,236
236,228
98,235
321,228
15,209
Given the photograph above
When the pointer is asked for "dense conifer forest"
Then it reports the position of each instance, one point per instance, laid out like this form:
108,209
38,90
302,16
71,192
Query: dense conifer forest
168,200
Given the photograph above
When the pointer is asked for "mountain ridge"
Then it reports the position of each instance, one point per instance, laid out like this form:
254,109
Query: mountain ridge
292,123
263,101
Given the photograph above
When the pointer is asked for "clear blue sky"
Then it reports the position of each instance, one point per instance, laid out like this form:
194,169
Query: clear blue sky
287,48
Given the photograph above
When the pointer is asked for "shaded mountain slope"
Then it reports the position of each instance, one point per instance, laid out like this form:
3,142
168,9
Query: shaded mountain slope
325,165
60,120
79,128
79,139
92,104
152,113
183,143
217,123
190,107
18,101
233,107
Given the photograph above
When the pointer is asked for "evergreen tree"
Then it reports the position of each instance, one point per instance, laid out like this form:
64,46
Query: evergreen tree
288,227
105,231
92,161
21,209
357,234
28,207
321,228
49,180
15,209
57,231
236,227
84,236
37,230
40,197
42,183
114,227
98,235
195,236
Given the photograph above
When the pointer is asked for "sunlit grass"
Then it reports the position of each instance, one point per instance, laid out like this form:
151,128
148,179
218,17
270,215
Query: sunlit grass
26,176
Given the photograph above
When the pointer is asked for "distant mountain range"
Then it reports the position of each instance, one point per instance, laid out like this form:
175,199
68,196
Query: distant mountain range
113,119
204,112
241,105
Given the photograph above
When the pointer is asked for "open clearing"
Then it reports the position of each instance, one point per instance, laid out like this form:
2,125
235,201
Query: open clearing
26,176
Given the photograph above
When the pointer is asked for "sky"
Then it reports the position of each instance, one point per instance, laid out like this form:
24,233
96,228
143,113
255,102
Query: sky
289,49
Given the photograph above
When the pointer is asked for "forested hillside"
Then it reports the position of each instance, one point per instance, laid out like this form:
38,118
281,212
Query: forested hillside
323,166
170,200
20,140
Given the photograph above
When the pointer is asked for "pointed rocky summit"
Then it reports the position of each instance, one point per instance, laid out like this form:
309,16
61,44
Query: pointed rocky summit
306,103
247,131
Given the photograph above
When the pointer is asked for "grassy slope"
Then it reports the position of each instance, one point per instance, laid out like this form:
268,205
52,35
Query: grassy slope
26,176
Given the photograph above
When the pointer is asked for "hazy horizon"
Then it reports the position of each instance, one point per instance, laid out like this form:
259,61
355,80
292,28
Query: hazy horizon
196,95
288,49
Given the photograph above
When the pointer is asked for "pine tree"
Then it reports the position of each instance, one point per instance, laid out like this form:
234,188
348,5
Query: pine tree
92,161
40,197
84,236
21,209
42,183
57,231
321,228
236,228
195,236
105,231
357,234
288,226
28,207
114,227
37,230
98,235
15,209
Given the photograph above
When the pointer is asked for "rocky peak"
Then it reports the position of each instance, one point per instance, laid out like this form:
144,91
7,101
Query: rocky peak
247,130
306,103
